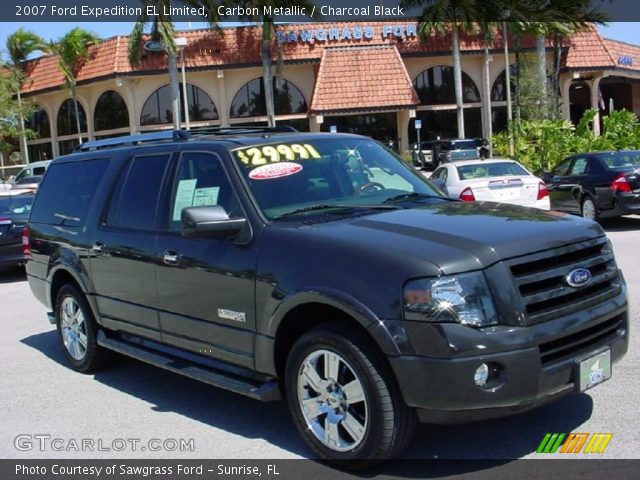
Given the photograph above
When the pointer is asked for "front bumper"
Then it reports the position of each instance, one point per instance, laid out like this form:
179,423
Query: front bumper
443,390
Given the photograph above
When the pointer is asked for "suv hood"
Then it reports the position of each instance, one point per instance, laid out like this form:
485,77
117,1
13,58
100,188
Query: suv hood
458,237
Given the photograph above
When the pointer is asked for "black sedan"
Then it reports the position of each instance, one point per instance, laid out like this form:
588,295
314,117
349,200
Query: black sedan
14,214
597,185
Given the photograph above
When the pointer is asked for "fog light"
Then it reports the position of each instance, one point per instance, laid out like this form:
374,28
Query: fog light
482,375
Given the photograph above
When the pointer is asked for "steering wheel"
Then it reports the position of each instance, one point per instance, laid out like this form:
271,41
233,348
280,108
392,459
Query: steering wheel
370,185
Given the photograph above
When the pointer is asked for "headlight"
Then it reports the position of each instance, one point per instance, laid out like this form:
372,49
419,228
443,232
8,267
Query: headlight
464,299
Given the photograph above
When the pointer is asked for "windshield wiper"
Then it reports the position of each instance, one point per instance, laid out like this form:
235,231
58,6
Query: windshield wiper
413,196
314,208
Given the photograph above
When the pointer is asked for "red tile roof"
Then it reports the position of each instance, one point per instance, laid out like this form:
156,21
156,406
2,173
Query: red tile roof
353,78
240,46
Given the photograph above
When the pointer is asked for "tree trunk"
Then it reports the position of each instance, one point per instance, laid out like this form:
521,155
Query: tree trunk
457,79
541,51
77,110
507,79
555,77
266,72
22,129
517,48
486,94
175,89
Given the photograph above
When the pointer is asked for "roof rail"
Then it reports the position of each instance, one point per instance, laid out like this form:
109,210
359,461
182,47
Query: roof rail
133,140
235,129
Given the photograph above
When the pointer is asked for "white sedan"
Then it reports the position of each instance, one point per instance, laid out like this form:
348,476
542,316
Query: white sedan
492,180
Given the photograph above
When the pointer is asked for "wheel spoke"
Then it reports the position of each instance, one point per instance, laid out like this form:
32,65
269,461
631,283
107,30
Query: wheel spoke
331,366
311,408
354,392
82,339
331,435
311,376
353,427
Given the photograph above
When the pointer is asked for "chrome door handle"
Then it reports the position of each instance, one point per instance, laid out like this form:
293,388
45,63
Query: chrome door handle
171,258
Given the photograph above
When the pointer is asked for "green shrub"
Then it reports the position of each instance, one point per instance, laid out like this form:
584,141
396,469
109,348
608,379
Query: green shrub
542,144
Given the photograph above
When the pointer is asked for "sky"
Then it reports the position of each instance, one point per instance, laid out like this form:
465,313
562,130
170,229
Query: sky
624,31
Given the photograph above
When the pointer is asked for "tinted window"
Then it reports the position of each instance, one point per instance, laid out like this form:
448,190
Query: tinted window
562,168
157,109
111,112
435,86
67,191
18,205
133,203
250,99
67,124
201,181
579,167
621,160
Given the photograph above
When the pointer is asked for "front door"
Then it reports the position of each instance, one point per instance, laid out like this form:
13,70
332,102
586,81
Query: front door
206,284
560,187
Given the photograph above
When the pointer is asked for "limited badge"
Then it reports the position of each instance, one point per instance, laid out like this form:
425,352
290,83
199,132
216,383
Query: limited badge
275,170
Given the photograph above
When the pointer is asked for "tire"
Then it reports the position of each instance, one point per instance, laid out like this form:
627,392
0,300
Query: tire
588,209
374,424
77,331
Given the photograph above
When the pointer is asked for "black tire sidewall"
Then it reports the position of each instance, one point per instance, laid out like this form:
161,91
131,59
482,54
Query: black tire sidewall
86,363
325,340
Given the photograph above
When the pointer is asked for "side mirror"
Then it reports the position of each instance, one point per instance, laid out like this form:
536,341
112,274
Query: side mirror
441,184
209,220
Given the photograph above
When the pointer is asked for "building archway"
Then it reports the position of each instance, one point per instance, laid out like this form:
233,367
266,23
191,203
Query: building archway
110,112
39,148
249,101
579,100
157,109
66,123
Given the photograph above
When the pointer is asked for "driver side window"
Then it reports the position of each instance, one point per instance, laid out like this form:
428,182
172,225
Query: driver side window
561,169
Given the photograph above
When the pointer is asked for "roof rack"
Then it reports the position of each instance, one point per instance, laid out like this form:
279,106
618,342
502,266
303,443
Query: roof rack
133,140
235,129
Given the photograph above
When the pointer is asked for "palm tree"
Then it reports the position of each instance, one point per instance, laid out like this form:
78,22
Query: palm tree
162,34
20,45
73,50
268,30
455,16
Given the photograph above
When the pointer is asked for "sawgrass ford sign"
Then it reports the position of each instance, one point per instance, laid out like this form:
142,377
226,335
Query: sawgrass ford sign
359,32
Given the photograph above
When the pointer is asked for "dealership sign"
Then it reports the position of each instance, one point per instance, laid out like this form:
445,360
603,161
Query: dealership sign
360,32
625,60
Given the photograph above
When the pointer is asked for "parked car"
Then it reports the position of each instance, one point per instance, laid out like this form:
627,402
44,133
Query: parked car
437,152
27,183
321,267
495,180
34,169
14,214
424,157
597,185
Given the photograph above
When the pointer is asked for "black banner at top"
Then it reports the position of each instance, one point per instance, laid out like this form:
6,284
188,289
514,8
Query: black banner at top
78,11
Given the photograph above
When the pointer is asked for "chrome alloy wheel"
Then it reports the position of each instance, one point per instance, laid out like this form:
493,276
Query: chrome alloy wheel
588,210
72,325
332,400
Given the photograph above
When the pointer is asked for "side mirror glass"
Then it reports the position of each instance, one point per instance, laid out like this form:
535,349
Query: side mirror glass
209,220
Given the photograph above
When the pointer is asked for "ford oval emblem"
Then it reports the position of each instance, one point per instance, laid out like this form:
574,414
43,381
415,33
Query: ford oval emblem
578,277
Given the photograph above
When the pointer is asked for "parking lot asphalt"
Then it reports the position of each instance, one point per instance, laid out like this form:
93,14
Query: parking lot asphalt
139,403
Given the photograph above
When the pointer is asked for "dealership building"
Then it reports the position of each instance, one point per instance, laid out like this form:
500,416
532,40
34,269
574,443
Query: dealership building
372,78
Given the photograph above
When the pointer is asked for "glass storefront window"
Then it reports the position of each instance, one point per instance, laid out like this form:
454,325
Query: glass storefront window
111,112
67,118
435,86
158,109
66,146
39,123
250,99
444,124
40,151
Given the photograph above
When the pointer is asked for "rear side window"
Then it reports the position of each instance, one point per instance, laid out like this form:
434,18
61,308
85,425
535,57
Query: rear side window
66,192
134,200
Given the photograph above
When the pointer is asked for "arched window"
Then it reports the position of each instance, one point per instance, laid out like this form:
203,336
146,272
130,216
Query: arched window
67,118
435,86
157,109
250,99
499,89
39,123
110,112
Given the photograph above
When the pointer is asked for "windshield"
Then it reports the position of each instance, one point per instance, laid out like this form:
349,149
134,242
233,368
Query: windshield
621,160
504,169
16,205
460,145
347,172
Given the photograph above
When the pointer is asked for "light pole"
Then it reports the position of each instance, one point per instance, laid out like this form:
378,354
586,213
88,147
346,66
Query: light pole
181,43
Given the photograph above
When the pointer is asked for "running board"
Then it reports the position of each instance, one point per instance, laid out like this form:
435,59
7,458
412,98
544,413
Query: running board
266,392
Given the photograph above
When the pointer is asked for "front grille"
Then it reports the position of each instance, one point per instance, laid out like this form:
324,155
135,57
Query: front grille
541,279
583,340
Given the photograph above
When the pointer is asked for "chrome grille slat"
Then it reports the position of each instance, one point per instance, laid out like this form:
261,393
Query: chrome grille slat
562,270
560,290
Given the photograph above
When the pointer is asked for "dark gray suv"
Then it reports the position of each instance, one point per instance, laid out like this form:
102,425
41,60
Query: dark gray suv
321,268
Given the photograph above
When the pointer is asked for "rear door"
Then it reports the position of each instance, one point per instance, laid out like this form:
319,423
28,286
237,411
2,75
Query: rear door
123,248
559,186
206,284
